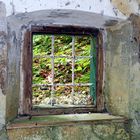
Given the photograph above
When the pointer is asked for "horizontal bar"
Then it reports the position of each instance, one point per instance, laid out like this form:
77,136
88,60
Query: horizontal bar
58,84
60,56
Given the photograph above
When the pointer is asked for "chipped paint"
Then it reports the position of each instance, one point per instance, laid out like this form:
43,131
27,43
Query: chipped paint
126,7
96,6
122,52
114,8
3,63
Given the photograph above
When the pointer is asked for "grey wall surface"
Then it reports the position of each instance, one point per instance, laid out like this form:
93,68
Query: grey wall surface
122,90
122,61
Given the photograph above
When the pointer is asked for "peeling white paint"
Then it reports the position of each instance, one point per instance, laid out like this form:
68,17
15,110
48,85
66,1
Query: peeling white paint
97,6
126,6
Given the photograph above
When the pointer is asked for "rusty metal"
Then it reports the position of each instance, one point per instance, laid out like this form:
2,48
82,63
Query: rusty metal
58,84
60,56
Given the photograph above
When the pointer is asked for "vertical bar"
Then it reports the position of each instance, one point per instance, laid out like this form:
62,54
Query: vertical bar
73,63
52,71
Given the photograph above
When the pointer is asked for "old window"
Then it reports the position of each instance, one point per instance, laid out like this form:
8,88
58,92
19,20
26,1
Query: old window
60,75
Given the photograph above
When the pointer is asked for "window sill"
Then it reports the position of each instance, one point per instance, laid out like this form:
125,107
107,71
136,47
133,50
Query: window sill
63,120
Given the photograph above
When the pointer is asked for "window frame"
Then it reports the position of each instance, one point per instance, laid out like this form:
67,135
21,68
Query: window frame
27,69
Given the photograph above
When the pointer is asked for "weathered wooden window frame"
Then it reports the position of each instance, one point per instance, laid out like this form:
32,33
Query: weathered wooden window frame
27,69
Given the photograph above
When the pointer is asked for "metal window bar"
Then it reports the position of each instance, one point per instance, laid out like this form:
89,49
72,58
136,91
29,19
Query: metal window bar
61,56
52,71
73,63
58,84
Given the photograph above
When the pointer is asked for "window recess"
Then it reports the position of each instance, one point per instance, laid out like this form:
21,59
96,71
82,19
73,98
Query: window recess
61,70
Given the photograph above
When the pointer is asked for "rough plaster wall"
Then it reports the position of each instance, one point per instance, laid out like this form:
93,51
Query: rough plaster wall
13,73
117,73
104,131
135,77
122,86
118,68
3,69
127,6
115,8
98,6
3,61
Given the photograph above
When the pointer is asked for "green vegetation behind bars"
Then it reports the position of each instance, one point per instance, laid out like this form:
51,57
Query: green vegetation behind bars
85,68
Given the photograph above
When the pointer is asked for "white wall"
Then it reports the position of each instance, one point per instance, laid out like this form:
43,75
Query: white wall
97,6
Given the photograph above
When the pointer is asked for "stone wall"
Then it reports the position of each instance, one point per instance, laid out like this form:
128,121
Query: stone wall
122,53
106,131
3,62
122,90
114,8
